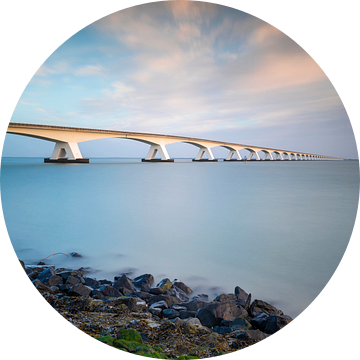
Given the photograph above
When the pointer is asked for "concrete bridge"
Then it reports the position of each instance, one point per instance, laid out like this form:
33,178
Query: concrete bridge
66,141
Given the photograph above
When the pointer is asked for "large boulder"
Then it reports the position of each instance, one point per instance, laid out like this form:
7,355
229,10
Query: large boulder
240,293
55,280
162,304
215,312
185,314
109,290
91,282
258,306
170,313
276,322
259,321
178,293
46,274
170,300
73,280
240,324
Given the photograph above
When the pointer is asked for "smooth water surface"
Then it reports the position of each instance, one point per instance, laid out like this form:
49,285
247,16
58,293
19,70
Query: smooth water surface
276,229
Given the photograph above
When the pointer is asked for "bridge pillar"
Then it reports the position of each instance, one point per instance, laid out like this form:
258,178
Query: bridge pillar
231,153
208,152
268,154
254,153
62,149
154,149
277,154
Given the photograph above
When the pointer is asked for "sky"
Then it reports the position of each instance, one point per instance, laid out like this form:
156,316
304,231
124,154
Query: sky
184,68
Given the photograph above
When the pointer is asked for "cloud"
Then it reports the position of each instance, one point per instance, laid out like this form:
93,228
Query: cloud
89,70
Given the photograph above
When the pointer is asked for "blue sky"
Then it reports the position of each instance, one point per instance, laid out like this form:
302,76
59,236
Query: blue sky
184,68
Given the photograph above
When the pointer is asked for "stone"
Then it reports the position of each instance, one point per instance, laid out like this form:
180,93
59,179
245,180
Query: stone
165,284
66,273
75,254
142,294
155,311
105,282
162,304
178,307
213,313
80,290
259,321
130,335
251,335
262,306
183,287
225,297
36,282
185,314
240,293
170,313
176,292
222,329
33,275
240,324
41,287
194,305
55,280
170,300
200,298
22,264
276,322
124,284
189,328
109,290
91,282
156,291
46,274
143,282
72,280
96,294
132,303
194,321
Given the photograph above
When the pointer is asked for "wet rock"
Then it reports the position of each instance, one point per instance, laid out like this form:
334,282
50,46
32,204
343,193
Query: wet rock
72,280
96,294
170,313
55,280
259,321
143,282
247,303
222,329
240,324
170,300
46,274
41,287
155,311
162,304
142,294
261,306
125,285
183,287
213,313
33,275
276,322
200,298
225,297
178,307
91,282
156,291
178,293
240,293
194,305
185,314
66,273
75,254
80,290
164,284
109,290
132,303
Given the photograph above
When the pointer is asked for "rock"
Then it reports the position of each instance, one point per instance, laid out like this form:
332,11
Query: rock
178,307
130,335
46,274
125,285
36,282
41,263
251,335
222,329
105,282
225,297
213,313
33,275
259,321
276,322
80,290
178,293
200,298
155,311
189,328
194,305
155,291
73,280
91,282
41,287
22,264
162,304
164,284
170,300
144,282
142,294
194,321
109,290
170,313
132,303
247,303
75,254
262,306
55,280
66,273
96,294
183,287
185,314
240,324
240,293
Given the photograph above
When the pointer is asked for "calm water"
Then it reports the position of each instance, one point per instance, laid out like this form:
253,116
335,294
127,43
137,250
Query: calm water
276,229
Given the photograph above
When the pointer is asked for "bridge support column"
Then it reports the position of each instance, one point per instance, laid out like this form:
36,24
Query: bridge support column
254,153
277,154
208,152
231,153
154,149
62,149
268,154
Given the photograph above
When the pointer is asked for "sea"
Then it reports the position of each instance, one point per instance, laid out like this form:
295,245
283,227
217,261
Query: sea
277,229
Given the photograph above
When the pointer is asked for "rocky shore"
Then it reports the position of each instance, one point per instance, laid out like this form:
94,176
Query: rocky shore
163,321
